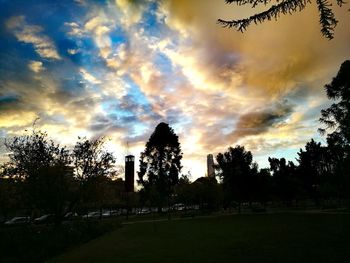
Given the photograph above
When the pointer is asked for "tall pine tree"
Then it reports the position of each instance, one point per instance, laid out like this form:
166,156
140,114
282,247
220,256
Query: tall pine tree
160,164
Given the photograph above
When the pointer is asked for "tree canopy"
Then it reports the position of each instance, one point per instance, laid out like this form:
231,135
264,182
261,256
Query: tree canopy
43,168
53,179
327,18
236,168
337,116
160,162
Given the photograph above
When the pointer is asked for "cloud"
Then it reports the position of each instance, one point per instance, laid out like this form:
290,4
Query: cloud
271,58
86,75
136,63
260,121
31,34
131,11
36,66
74,29
100,26
72,51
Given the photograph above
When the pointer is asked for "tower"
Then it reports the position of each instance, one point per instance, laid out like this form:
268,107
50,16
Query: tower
210,166
129,173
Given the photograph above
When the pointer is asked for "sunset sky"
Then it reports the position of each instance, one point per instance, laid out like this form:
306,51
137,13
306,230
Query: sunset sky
118,68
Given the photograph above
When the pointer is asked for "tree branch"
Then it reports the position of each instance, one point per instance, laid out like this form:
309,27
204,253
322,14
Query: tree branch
254,3
327,18
285,7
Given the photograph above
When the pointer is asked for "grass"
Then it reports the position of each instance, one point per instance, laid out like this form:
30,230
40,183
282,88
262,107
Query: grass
238,238
37,243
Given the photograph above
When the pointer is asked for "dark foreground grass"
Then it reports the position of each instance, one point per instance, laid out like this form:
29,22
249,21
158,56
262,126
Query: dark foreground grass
237,238
37,243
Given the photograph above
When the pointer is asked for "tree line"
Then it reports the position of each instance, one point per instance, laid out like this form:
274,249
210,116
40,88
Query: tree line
320,174
43,176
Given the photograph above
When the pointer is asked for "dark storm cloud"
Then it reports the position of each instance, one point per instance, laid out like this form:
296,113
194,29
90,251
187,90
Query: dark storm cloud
229,130
8,101
260,121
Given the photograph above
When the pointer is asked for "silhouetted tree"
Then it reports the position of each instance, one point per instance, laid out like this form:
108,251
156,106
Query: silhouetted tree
312,165
10,196
235,167
284,179
184,191
43,168
93,166
207,193
262,186
160,163
327,20
337,116
337,121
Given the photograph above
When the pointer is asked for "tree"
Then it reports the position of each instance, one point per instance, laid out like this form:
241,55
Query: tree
262,186
312,165
93,166
184,191
42,166
207,193
10,196
337,120
284,179
160,164
235,167
327,20
337,116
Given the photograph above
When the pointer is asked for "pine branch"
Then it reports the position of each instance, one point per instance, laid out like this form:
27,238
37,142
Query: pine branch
254,3
285,7
340,3
327,18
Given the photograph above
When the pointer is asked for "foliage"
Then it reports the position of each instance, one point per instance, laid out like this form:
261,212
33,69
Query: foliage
184,191
312,166
91,160
236,167
49,178
160,163
337,121
10,193
42,167
284,179
207,193
31,153
327,19
337,116
93,168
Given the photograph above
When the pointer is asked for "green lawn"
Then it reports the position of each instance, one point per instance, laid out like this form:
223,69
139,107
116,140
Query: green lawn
237,238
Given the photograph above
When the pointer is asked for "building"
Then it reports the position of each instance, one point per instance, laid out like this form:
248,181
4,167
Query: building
129,173
210,166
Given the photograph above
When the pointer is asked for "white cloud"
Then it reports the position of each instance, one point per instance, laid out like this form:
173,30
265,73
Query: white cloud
72,51
75,29
87,76
31,34
131,12
36,66
100,26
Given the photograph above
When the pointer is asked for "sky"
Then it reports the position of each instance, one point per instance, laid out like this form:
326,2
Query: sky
118,68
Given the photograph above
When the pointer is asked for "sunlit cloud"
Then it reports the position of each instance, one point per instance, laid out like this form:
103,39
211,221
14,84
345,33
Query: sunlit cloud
116,69
32,34
36,66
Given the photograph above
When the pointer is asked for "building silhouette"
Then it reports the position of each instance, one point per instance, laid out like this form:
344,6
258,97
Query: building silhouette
210,166
129,173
